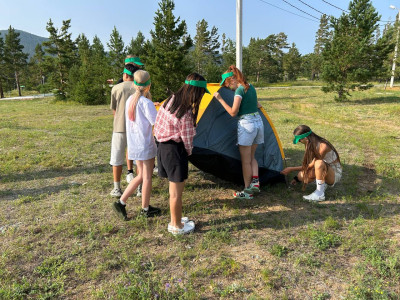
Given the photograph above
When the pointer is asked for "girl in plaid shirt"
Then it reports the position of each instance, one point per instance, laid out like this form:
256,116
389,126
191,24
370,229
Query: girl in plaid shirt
174,130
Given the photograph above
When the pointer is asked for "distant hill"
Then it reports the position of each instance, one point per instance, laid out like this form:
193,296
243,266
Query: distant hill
28,40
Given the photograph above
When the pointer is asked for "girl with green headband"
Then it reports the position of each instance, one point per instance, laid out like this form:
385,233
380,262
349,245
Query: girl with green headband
250,127
321,163
140,116
175,129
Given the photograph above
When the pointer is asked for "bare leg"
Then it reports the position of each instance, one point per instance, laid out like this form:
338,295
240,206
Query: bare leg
323,172
245,156
146,186
117,171
175,202
134,183
254,163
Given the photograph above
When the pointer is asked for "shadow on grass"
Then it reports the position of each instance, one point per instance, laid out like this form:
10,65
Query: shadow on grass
300,214
55,172
376,100
9,195
272,98
360,192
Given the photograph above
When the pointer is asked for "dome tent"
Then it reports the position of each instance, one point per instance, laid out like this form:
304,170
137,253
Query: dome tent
215,150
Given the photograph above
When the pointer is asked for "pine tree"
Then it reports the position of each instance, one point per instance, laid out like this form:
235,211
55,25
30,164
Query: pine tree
228,52
15,58
37,68
116,53
352,58
61,46
166,58
205,54
292,63
322,37
136,45
265,57
86,79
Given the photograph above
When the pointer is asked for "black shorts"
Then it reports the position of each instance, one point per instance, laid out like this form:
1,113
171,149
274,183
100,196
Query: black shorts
172,161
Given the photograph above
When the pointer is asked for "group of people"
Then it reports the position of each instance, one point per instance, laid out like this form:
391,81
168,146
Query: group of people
168,134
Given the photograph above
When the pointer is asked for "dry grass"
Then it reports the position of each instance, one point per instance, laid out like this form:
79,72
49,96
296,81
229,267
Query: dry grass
60,239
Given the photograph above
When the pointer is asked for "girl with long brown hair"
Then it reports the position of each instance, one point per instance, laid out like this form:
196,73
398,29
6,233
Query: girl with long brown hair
321,162
175,129
140,116
250,127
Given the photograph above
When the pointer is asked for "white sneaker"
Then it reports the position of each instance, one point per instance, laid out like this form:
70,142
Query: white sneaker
188,227
139,191
314,197
116,193
129,177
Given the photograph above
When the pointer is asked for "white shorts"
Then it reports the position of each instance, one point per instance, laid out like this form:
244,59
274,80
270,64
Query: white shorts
250,130
337,168
118,148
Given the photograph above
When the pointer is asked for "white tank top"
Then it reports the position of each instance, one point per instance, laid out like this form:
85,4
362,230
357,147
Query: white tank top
330,157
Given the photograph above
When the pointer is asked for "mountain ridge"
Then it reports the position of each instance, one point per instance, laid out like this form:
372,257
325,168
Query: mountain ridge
28,40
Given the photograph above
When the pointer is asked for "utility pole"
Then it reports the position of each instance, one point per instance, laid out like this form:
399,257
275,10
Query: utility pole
396,47
239,13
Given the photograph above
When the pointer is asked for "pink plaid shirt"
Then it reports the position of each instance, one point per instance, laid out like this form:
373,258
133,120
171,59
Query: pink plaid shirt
169,127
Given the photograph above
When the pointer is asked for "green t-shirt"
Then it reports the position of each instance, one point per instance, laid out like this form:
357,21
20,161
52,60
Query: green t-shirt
249,100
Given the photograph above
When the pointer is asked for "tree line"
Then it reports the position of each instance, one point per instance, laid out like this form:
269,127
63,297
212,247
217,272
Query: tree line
350,51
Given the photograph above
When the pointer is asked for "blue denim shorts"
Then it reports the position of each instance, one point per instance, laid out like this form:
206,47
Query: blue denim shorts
250,130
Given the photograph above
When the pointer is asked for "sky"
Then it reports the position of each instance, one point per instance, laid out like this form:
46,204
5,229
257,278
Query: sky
298,19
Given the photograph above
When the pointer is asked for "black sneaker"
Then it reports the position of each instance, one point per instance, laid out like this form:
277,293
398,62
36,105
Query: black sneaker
151,212
120,210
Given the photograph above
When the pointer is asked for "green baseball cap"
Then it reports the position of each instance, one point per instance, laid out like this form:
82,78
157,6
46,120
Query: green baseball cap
198,83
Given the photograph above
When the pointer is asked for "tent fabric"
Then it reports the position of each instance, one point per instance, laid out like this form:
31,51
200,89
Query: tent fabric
215,144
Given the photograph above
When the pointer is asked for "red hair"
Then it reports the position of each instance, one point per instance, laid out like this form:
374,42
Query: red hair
238,76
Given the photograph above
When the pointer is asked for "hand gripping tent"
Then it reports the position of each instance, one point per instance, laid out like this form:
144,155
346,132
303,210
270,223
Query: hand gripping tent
215,150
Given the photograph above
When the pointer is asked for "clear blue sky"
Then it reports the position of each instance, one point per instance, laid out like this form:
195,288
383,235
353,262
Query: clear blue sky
260,17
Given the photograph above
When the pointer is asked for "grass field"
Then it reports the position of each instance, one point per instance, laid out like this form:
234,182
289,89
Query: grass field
60,239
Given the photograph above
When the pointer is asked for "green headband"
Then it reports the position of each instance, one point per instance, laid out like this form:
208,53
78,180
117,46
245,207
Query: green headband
198,83
127,72
297,138
135,60
142,84
225,76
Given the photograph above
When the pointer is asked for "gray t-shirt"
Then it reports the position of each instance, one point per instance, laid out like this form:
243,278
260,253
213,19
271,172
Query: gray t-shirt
119,94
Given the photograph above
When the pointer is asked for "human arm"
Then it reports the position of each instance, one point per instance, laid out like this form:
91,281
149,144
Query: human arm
288,170
230,110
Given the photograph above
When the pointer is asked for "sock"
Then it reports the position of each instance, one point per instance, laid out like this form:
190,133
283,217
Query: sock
145,209
122,202
117,185
320,187
255,179
130,171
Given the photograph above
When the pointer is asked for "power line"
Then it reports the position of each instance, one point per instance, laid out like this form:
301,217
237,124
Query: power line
300,9
312,8
334,6
287,11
